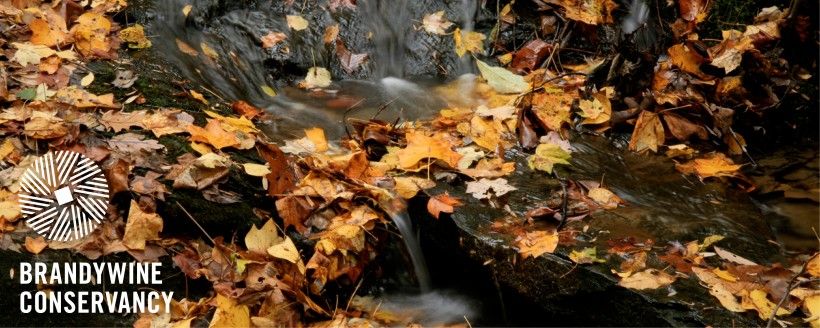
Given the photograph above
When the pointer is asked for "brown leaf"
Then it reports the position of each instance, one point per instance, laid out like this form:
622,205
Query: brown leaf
294,210
245,109
682,128
693,10
350,62
282,178
711,165
530,56
271,39
213,134
648,134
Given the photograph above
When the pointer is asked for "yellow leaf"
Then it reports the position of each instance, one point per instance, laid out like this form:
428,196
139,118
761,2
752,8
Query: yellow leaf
256,170
87,80
187,9
711,165
536,243
725,275
502,80
135,36
317,136
198,96
764,307
259,240
420,146
285,250
472,42
297,23
229,314
811,306
546,156
585,256
141,227
647,279
436,23
813,267
317,77
91,34
607,199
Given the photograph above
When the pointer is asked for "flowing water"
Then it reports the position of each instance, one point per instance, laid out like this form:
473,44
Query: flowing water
231,63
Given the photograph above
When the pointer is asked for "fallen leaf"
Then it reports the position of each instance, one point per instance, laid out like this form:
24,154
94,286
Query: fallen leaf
317,77
436,23
135,37
420,146
256,170
607,199
87,80
647,279
502,80
592,12
186,48
297,23
258,240
648,134
213,134
35,245
91,35
469,41
711,165
230,314
546,156
731,257
535,243
271,39
486,188
141,227
443,203
586,256
285,250
132,143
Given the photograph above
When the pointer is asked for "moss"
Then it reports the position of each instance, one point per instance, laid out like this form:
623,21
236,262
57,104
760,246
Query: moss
176,146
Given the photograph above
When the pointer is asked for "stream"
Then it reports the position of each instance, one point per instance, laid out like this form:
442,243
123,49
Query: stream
400,71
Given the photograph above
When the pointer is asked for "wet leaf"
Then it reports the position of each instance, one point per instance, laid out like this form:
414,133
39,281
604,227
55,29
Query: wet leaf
647,279
592,12
709,166
135,37
546,156
271,39
502,80
420,146
607,199
536,243
443,203
317,77
436,23
297,23
585,256
648,134
472,42
486,188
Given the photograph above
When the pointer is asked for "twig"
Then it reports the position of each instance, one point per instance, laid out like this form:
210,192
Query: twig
197,223
792,284
564,201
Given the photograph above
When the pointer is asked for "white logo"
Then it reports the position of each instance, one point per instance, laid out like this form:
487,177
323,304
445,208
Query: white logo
64,196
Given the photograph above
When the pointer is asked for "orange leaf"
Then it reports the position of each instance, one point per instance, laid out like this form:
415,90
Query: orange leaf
213,134
442,203
420,146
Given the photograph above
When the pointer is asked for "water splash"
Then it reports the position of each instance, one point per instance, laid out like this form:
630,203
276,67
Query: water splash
405,226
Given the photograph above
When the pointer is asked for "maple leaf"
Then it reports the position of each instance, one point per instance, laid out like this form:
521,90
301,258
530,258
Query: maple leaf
485,188
349,61
141,227
50,31
607,199
213,134
469,41
135,36
648,133
436,23
91,35
596,111
80,98
420,146
35,245
443,203
45,125
132,143
552,108
711,165
536,243
548,155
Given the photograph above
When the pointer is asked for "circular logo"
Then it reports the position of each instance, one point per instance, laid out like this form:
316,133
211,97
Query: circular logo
64,196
